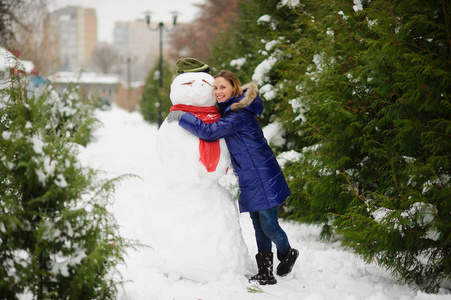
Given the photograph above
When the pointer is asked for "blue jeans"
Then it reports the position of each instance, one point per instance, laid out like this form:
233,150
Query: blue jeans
267,230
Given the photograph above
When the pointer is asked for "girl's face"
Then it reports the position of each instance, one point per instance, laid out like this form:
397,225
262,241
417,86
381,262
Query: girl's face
223,90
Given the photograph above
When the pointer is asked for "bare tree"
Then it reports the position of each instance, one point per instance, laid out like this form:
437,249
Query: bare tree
197,38
105,58
25,26
37,39
10,18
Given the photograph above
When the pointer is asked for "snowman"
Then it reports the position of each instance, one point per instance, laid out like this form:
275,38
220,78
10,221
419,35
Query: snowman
197,222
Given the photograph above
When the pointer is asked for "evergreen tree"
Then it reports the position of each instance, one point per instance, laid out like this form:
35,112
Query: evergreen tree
57,238
249,47
362,89
149,105
368,85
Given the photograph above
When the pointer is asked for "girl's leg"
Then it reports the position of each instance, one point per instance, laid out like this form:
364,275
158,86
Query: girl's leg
263,241
264,256
269,224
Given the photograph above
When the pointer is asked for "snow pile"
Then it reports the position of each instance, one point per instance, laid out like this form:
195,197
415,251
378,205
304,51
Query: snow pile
268,92
291,3
260,75
238,63
357,5
267,20
273,134
324,271
264,19
7,60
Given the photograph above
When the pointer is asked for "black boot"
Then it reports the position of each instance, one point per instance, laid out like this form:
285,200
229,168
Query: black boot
265,267
287,262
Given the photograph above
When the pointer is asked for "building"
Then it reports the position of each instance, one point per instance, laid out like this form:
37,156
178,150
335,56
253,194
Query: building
109,88
139,46
90,83
77,36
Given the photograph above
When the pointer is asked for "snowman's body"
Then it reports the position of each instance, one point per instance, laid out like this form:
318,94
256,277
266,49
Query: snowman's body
204,240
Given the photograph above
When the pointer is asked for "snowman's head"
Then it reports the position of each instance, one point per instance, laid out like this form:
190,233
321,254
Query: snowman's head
194,88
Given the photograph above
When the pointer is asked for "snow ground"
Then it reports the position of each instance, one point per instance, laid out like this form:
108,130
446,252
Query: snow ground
125,145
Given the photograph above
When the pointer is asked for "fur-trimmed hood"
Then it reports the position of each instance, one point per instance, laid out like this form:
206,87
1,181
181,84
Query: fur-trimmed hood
249,94
249,100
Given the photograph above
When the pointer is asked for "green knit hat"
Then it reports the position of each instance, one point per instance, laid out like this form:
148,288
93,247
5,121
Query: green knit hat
188,64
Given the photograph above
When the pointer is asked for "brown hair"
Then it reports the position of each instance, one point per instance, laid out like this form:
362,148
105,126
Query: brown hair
233,80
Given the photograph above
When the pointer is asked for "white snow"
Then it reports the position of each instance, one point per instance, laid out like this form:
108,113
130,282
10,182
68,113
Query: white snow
267,20
84,77
288,156
269,45
268,92
239,62
62,265
6,134
28,66
324,271
8,60
264,19
291,3
260,75
273,134
357,5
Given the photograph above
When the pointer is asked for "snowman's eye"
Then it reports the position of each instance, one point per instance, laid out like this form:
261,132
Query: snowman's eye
206,82
188,83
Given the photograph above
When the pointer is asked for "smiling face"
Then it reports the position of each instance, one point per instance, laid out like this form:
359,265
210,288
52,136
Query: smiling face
193,89
223,89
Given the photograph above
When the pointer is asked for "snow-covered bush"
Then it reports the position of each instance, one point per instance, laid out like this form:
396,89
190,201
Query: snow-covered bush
361,89
57,238
71,115
373,82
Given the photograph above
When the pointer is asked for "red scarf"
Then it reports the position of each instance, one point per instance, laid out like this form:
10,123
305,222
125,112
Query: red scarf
209,151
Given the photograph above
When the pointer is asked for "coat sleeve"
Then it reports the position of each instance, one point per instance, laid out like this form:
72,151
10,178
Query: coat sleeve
211,132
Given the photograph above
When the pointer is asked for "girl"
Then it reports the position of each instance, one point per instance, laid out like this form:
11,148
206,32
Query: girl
262,184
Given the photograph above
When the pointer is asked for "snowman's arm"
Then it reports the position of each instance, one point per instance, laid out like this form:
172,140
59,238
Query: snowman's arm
214,131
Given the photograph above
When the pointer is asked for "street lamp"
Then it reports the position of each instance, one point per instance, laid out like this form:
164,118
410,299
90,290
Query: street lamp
129,61
160,27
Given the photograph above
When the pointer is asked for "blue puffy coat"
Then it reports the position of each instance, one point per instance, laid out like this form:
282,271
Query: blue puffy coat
261,181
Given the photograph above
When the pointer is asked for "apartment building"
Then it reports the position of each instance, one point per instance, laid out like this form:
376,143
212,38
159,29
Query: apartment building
138,46
77,36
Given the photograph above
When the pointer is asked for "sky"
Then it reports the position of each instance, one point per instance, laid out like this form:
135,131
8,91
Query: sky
110,11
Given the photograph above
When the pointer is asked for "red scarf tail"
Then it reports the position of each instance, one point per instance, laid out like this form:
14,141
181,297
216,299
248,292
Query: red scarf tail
210,152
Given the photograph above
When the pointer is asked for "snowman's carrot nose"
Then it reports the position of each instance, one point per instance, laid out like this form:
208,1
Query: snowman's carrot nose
206,82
